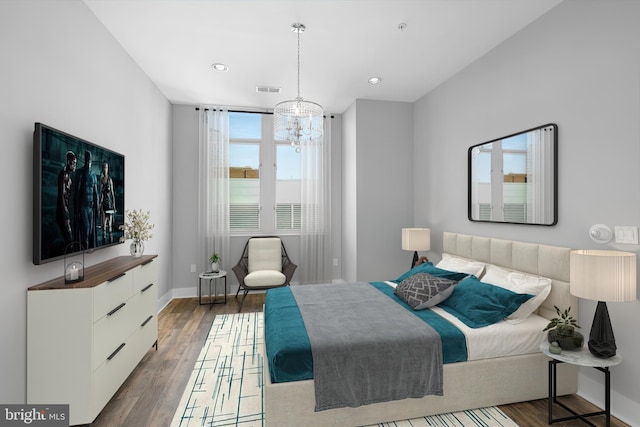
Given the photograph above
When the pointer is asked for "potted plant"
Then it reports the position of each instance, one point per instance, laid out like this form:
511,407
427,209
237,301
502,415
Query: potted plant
562,329
214,259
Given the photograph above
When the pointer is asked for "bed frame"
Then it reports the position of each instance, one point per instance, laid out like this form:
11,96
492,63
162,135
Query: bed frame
467,385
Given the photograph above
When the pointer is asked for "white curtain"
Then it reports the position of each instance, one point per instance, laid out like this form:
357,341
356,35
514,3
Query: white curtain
539,182
213,192
314,265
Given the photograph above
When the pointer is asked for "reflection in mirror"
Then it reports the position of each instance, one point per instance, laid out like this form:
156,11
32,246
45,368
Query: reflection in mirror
514,179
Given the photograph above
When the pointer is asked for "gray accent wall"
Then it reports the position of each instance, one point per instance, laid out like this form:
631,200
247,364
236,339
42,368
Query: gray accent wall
577,66
377,188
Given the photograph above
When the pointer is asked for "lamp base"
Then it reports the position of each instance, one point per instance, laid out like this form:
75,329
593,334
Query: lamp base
415,259
602,342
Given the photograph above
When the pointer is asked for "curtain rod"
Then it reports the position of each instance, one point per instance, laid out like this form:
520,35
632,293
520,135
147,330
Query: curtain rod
245,111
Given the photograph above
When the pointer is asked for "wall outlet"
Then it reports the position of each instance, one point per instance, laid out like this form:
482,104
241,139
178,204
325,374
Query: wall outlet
336,262
193,268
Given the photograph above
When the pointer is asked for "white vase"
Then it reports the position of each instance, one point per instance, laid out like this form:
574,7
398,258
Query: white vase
137,248
214,266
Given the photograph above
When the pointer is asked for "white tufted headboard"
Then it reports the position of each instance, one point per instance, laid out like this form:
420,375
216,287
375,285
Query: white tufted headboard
540,260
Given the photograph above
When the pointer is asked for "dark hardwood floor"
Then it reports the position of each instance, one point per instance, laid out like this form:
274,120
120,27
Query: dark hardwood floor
152,392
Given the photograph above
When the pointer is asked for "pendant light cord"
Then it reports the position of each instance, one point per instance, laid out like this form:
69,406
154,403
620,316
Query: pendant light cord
299,31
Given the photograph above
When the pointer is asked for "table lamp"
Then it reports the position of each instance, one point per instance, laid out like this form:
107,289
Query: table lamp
603,276
416,239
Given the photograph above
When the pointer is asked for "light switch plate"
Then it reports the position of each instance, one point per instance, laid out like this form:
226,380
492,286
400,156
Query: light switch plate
626,234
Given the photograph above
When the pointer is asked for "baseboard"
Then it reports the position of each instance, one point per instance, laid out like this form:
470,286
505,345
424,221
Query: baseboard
622,407
175,293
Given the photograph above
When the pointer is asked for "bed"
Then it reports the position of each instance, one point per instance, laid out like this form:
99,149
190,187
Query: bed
487,378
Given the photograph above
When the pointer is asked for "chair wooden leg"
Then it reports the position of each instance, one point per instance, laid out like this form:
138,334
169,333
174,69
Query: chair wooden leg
242,301
238,291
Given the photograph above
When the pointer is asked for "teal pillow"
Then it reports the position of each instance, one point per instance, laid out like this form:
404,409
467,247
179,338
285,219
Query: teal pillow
428,267
479,304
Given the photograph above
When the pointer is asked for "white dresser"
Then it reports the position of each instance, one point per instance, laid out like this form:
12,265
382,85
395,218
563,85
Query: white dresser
84,339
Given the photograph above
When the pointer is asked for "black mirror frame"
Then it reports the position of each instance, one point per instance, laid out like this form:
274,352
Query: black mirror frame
555,177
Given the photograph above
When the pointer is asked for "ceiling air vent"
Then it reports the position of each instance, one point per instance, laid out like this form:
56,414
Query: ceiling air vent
267,89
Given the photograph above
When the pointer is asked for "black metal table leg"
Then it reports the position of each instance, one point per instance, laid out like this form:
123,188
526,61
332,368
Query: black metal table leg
553,397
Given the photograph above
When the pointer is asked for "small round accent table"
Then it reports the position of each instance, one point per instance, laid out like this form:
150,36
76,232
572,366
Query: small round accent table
582,357
212,276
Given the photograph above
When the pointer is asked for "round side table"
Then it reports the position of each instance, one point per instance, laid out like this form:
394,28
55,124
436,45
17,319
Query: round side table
582,357
212,276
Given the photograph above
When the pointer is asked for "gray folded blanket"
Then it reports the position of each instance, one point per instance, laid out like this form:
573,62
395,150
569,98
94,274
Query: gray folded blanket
367,348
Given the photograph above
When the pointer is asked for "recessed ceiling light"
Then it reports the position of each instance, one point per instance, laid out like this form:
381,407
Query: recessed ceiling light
375,80
220,67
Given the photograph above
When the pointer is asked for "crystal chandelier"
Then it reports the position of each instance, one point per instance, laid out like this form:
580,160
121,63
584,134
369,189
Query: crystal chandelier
298,120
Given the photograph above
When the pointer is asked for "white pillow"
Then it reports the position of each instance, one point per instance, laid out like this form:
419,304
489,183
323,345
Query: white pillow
520,283
460,265
496,276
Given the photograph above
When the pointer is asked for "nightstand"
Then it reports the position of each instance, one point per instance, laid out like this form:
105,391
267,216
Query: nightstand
212,277
581,357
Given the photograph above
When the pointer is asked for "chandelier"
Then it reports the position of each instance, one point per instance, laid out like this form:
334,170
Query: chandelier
297,120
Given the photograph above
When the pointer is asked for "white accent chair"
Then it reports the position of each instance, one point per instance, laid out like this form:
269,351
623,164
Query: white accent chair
264,265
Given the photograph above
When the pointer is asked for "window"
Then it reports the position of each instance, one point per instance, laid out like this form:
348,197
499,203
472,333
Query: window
287,187
264,177
514,165
502,175
245,136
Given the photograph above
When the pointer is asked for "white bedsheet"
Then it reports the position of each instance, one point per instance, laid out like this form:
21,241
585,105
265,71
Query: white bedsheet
499,339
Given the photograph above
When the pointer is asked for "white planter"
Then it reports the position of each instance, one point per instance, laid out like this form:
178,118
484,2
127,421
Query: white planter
214,266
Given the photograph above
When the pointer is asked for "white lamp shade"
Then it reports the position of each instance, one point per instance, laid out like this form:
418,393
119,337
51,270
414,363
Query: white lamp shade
416,239
600,275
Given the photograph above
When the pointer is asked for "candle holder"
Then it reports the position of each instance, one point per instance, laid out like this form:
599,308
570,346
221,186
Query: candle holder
73,263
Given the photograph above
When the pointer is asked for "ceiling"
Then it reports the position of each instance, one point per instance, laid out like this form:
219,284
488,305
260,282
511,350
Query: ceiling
346,42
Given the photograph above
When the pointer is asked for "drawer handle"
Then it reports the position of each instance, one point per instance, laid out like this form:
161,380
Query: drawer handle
146,262
116,309
147,287
112,355
147,321
117,277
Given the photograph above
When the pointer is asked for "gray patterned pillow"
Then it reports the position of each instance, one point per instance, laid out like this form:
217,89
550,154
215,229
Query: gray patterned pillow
422,290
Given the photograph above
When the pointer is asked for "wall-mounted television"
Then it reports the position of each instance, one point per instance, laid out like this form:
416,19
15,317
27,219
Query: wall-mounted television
78,195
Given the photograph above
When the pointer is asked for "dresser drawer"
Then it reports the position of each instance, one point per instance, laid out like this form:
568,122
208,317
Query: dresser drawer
144,275
112,330
145,337
149,299
111,293
111,374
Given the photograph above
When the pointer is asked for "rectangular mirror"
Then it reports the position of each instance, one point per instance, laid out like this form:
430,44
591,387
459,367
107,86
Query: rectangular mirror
513,179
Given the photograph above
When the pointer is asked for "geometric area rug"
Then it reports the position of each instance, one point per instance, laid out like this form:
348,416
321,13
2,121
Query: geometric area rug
225,387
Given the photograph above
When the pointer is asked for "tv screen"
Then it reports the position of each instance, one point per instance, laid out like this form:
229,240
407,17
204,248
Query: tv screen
78,195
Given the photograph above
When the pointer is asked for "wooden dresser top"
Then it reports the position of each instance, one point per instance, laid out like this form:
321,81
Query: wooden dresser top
97,274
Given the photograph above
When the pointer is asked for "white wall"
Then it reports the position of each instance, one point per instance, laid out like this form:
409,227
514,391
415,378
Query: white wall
577,66
378,188
61,67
